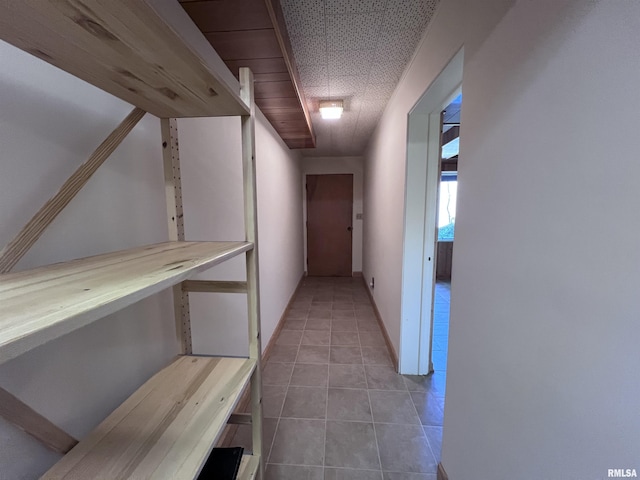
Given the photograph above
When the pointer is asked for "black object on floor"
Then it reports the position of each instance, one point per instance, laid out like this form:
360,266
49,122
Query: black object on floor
222,464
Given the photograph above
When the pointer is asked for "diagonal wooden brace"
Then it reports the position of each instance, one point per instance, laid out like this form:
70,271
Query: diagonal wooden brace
14,411
16,248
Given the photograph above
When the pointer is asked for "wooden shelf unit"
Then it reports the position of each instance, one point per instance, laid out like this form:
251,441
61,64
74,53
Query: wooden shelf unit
167,428
45,303
143,52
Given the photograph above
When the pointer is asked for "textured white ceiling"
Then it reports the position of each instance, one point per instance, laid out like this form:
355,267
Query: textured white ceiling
354,50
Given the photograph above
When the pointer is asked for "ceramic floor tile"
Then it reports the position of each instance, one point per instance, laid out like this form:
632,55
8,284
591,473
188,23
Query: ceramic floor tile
289,337
348,404
345,338
342,299
297,314
349,376
371,339
409,476
305,402
393,407
272,400
322,304
351,445
404,448
343,370
433,383
346,355
283,353
429,409
344,326
318,324
293,472
380,377
351,474
346,307
313,354
364,312
376,356
343,315
277,373
316,337
320,315
294,324
368,325
299,442
310,375
363,307
434,436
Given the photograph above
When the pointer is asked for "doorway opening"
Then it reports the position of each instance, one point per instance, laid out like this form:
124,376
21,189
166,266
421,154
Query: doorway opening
447,200
329,225
423,173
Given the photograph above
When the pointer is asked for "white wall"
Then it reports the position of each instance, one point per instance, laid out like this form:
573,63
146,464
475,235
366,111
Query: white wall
385,165
333,165
543,335
214,210
50,122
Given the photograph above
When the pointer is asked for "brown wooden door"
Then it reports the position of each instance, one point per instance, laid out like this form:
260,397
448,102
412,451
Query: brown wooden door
329,228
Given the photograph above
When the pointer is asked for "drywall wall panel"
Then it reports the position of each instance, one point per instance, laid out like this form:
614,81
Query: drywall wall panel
385,164
542,379
329,165
210,152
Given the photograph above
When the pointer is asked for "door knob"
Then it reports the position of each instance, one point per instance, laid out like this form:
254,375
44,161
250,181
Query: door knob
350,228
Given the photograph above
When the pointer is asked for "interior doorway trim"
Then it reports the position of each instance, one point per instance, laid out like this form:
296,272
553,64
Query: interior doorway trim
419,240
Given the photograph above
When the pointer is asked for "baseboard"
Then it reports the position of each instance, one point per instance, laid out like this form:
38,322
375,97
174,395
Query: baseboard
357,274
243,404
385,334
272,341
442,475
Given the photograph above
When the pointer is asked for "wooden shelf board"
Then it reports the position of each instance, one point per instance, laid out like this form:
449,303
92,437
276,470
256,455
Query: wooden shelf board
167,428
123,47
42,304
248,467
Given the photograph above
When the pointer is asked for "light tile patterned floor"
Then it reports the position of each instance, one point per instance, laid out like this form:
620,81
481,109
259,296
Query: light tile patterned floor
334,407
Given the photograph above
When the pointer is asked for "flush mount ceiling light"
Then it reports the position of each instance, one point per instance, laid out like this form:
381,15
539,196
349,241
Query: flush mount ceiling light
331,109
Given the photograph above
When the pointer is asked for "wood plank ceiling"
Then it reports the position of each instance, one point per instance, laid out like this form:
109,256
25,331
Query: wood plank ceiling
253,33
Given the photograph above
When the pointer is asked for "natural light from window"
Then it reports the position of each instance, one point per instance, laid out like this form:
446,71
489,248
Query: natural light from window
447,207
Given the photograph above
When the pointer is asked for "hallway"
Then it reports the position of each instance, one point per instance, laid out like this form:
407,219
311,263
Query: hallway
334,407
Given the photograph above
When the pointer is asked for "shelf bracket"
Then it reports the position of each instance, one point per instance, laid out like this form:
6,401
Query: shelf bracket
20,245
16,412
175,221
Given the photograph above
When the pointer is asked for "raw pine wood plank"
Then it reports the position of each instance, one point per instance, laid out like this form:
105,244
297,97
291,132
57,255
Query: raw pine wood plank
252,261
13,410
167,428
175,222
214,286
248,467
123,47
45,303
16,249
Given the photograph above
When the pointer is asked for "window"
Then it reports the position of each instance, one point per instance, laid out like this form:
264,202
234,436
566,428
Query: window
447,206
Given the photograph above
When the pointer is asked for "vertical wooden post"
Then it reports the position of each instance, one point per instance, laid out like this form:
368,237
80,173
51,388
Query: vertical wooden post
175,218
251,227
